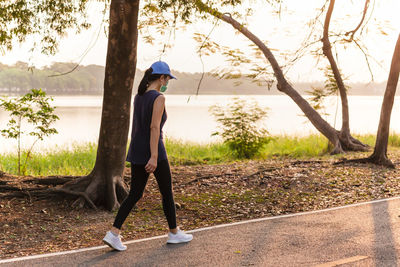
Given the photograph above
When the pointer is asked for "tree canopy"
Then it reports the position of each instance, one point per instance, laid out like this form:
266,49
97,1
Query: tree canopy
43,20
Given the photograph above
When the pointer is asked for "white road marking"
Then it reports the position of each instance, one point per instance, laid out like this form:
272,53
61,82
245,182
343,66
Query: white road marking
343,261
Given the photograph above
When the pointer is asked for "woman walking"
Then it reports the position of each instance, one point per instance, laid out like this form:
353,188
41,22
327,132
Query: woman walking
147,154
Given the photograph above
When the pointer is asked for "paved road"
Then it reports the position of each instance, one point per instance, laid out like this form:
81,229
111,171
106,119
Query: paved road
359,235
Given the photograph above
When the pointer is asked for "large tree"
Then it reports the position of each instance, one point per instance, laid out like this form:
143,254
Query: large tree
50,19
105,185
379,155
346,140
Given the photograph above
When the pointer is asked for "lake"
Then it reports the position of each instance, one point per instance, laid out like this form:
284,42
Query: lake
189,119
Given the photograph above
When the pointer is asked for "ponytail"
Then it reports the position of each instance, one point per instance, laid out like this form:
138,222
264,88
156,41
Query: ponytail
146,80
144,83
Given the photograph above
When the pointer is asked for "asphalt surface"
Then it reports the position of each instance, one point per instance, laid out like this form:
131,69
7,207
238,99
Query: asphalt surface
358,235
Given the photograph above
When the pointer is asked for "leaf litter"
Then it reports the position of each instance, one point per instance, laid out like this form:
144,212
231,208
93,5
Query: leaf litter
205,195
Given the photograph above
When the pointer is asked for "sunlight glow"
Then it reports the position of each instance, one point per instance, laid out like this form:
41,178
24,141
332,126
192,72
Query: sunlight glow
284,33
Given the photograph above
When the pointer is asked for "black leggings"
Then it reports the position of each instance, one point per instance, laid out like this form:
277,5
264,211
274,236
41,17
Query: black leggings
138,183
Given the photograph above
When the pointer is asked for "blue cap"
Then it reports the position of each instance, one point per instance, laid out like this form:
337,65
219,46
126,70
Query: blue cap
160,67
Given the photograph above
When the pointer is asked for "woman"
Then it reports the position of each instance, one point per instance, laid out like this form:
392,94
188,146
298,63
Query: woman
147,154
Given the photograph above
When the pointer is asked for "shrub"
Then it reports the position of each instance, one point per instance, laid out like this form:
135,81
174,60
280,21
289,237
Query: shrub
239,129
33,108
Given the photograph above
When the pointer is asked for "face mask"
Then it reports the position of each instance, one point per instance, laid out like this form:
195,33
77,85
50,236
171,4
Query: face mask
163,88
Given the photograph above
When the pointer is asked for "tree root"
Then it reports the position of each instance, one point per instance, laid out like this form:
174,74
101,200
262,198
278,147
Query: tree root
16,190
337,149
349,143
358,142
260,171
14,195
204,177
36,192
51,180
9,188
370,160
88,188
306,162
81,194
225,174
78,187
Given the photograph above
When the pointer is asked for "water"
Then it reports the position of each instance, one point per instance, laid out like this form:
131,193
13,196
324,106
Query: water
191,120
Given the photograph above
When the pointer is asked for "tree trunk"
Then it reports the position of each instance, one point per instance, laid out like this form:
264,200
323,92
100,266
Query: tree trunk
379,156
104,185
344,135
339,143
327,50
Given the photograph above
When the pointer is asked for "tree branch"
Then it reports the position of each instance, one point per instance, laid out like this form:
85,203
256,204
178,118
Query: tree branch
353,32
282,84
305,44
366,59
327,50
201,59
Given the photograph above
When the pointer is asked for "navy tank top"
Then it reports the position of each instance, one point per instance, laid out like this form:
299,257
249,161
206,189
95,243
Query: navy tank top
139,148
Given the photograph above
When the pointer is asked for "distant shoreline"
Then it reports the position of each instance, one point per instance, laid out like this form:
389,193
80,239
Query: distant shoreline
186,94
89,80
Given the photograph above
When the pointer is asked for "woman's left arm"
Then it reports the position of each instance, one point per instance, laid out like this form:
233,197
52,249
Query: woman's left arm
158,109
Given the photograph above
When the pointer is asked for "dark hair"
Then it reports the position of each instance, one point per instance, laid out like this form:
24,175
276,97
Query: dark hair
147,79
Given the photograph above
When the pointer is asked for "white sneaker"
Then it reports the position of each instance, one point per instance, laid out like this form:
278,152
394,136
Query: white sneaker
179,237
114,241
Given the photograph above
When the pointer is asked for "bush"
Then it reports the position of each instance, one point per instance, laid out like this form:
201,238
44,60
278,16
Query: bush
239,129
33,108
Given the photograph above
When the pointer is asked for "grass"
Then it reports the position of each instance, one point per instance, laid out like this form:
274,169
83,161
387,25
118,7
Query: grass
295,147
81,158
189,153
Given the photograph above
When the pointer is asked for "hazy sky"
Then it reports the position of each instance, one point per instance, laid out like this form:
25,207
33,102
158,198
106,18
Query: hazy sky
282,34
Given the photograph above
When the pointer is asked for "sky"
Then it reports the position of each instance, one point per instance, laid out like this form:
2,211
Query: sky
282,33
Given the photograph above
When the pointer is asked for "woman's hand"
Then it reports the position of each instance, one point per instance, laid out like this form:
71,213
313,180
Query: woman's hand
151,165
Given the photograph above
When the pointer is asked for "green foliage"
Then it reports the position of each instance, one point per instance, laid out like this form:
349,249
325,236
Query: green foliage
394,140
330,88
186,9
370,139
34,108
44,19
189,153
239,129
79,160
296,147
164,17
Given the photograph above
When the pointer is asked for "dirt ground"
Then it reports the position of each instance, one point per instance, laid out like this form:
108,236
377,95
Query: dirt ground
205,194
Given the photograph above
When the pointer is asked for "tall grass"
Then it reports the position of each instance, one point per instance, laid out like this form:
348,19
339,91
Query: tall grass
296,147
80,159
189,153
369,139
